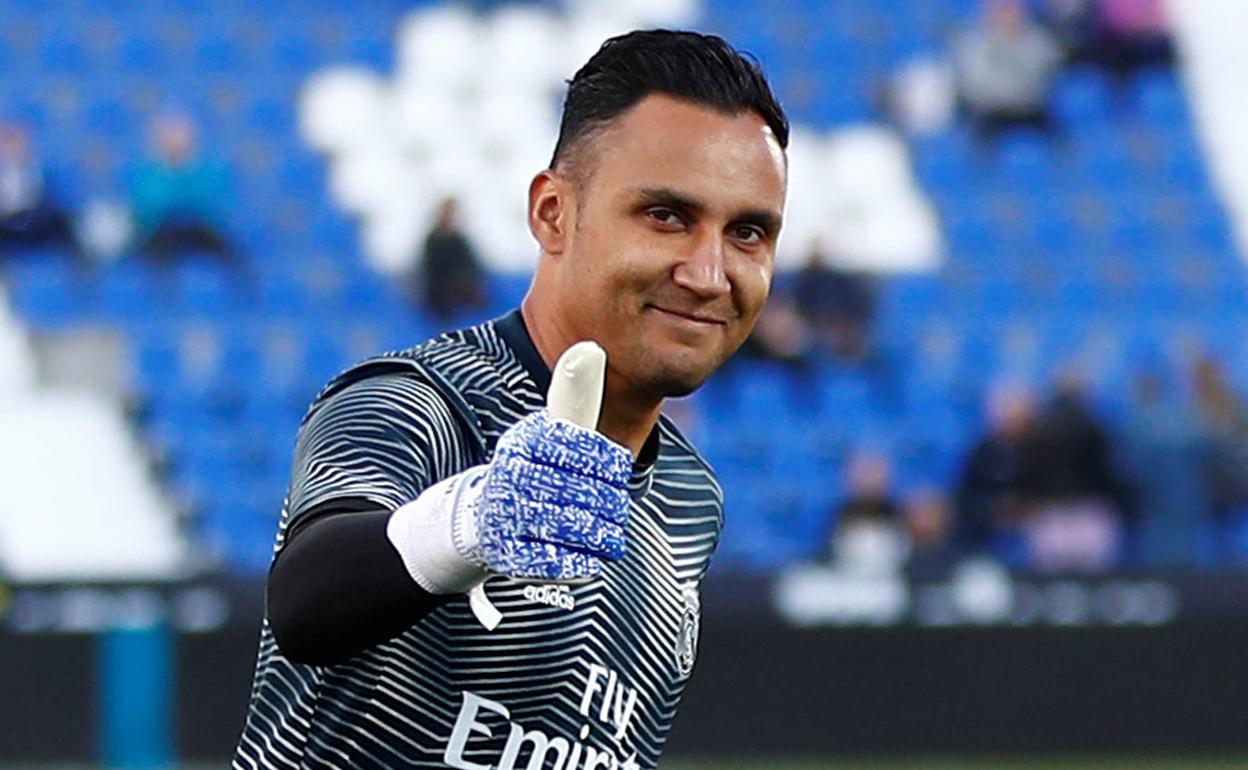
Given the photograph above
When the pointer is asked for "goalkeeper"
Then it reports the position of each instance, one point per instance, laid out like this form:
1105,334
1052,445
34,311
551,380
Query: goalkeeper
470,575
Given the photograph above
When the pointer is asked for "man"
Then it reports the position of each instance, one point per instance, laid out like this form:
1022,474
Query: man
29,216
178,195
998,483
1004,70
420,474
1081,503
448,279
838,304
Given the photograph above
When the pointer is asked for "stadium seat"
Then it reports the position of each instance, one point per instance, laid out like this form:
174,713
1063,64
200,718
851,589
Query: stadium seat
1050,247
1082,98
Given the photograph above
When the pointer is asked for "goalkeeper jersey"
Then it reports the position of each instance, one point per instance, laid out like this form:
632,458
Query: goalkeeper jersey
576,677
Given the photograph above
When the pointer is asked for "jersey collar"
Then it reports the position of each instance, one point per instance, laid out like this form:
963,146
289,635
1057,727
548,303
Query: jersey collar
512,329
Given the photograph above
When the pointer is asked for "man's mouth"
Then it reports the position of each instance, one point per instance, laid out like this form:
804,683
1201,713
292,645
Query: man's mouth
703,318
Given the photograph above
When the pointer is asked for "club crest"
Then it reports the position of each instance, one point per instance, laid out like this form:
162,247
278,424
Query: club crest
687,636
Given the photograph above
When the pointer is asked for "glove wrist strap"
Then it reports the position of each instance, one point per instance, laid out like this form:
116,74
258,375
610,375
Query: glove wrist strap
436,534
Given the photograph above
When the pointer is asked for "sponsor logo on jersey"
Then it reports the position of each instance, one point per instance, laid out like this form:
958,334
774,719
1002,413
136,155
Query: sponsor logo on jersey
607,702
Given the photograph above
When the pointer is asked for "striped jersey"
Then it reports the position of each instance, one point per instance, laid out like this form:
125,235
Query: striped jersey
576,677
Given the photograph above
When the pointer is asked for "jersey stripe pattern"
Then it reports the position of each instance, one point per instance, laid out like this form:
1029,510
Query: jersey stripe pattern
582,676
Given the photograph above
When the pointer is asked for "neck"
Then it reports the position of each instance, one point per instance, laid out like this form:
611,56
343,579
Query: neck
627,417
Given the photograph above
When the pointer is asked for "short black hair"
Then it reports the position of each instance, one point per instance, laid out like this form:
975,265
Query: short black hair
702,69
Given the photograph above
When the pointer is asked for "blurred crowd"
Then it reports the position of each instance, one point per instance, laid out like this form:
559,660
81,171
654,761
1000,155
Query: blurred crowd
178,205
177,200
1052,487
997,77
999,72
1051,484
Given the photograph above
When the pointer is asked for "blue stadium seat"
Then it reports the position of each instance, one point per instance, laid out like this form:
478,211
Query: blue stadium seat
1160,97
206,285
63,54
1026,158
1082,98
125,291
141,54
45,289
219,55
1114,232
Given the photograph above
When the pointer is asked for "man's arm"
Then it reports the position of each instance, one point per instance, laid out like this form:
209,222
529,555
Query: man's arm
551,505
337,585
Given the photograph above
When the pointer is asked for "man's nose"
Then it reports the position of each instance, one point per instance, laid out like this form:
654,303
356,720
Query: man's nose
702,270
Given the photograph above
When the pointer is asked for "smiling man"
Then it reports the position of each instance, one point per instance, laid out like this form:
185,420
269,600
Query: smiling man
424,474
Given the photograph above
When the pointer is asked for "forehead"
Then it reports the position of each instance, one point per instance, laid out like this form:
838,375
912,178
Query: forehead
665,142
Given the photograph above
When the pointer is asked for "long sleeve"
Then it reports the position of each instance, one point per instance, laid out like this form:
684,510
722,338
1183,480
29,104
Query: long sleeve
337,586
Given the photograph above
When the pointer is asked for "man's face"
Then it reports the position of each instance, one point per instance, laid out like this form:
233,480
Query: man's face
672,240
13,144
174,139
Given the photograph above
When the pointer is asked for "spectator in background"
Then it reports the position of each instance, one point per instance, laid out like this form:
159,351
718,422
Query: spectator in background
178,197
1077,522
999,478
1224,423
1122,36
449,279
780,335
837,305
1075,450
869,535
29,217
929,523
1075,25
1134,34
1167,459
1004,70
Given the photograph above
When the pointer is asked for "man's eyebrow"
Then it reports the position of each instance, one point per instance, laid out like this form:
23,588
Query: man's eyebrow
666,196
673,199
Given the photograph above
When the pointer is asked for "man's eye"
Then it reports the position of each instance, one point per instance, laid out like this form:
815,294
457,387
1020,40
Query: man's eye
665,217
748,234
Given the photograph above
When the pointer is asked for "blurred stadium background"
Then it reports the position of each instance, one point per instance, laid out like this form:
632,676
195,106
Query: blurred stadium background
986,460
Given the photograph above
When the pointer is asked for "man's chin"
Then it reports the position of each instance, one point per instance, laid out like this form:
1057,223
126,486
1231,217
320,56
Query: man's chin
677,383
674,371
681,390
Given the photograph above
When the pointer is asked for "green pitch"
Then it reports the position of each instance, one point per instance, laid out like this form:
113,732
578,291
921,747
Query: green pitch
1074,763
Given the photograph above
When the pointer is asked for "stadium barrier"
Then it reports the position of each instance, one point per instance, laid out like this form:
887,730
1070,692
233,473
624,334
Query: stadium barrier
1055,681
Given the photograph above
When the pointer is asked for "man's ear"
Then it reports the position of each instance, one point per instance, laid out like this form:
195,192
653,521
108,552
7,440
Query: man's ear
551,210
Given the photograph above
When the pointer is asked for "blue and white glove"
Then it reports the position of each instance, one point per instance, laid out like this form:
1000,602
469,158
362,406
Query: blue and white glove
555,501
551,505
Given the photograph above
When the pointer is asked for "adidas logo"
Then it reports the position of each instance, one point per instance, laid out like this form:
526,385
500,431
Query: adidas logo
554,596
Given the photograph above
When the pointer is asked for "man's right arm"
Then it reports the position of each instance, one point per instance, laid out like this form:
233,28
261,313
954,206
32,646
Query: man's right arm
386,516
337,585
339,588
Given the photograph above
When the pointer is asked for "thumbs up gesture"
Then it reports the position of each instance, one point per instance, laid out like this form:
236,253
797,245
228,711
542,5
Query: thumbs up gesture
551,505
555,497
